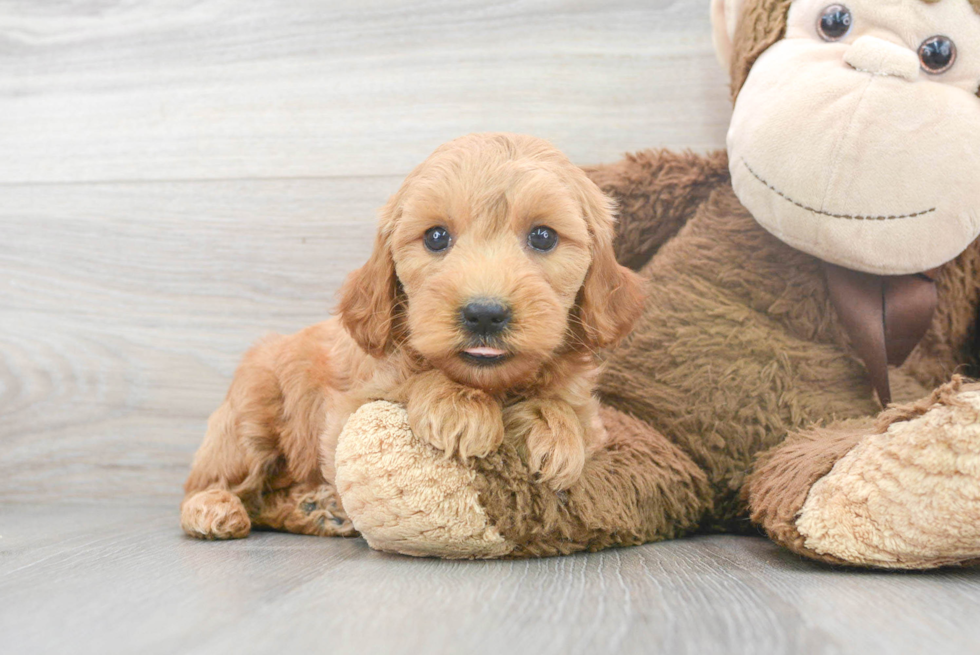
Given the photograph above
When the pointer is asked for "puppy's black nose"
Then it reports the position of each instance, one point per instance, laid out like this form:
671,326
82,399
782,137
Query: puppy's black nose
485,318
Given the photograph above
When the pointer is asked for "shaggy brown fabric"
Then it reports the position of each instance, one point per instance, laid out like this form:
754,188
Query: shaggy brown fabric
739,346
762,23
783,476
639,488
945,395
657,191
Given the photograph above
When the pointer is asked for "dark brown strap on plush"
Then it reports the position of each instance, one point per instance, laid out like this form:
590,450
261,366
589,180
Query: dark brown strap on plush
885,316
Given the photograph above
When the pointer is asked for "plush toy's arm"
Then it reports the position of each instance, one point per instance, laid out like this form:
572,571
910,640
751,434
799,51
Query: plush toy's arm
657,192
407,497
902,492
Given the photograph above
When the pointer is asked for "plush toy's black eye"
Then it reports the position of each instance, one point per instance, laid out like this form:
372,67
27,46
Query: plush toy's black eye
542,238
835,22
437,239
937,54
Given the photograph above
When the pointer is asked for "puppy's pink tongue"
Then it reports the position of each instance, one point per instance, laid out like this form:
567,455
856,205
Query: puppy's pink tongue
485,352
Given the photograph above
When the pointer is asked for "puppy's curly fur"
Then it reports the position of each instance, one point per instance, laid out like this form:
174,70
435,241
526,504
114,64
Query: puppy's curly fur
401,335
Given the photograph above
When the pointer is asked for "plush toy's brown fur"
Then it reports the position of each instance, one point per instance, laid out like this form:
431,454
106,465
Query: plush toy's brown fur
762,23
740,346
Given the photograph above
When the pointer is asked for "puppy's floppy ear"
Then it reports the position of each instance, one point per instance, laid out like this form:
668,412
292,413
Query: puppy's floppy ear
370,298
611,298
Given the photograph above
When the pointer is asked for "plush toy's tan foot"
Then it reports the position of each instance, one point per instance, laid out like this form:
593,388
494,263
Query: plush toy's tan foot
214,514
405,496
902,493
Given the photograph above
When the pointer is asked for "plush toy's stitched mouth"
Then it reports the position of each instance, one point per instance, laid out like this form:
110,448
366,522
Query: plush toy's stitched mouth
823,213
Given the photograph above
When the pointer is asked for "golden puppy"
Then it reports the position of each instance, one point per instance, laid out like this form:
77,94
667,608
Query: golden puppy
492,283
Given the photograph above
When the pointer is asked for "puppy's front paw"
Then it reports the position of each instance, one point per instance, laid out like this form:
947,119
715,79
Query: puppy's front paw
456,419
554,439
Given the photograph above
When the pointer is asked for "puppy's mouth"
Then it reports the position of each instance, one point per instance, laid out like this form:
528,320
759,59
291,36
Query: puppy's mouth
484,355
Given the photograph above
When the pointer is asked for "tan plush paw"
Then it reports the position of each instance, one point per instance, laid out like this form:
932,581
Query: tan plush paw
553,440
908,498
214,514
405,496
456,419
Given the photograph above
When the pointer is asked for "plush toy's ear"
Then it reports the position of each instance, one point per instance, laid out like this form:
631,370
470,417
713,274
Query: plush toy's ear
724,20
611,298
369,300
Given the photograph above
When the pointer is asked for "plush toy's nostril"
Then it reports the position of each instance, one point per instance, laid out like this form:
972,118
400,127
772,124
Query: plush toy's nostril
880,57
485,317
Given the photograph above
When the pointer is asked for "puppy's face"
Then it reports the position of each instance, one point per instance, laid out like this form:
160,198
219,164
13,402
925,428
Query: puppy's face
491,270
500,250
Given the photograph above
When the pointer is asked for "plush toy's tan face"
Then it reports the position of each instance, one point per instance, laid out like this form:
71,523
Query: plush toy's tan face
857,139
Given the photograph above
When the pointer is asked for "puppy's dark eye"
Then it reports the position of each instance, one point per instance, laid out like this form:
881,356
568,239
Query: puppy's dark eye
835,23
542,238
437,239
937,54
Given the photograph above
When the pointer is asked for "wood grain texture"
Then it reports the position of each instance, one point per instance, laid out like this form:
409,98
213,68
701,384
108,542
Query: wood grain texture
205,89
126,307
123,580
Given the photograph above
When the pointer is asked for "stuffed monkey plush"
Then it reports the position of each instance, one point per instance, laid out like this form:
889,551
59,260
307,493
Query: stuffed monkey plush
813,297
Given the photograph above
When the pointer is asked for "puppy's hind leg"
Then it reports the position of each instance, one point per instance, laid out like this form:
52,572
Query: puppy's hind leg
214,514
312,509
260,460
212,507
238,454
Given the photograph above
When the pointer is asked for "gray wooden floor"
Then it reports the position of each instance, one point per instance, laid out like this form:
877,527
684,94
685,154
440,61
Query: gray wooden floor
120,579
179,177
